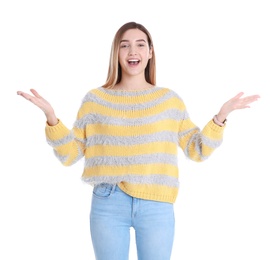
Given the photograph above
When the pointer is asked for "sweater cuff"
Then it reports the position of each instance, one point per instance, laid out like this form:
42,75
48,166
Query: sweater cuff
216,127
213,131
57,131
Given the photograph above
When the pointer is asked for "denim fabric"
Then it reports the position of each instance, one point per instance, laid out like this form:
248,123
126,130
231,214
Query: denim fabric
113,213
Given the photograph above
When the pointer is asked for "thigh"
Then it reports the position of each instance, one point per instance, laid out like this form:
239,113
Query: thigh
110,223
154,228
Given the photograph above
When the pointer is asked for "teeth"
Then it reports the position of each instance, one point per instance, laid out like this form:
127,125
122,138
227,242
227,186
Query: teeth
133,60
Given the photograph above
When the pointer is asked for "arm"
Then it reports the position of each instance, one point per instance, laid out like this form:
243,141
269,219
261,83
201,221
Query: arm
67,147
198,145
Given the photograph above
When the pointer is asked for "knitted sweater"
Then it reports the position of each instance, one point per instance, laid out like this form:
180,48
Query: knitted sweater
131,138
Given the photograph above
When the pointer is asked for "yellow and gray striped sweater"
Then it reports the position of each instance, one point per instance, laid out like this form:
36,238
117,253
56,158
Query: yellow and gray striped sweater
131,138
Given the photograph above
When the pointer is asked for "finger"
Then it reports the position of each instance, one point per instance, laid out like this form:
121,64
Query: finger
240,94
254,97
23,94
250,99
35,93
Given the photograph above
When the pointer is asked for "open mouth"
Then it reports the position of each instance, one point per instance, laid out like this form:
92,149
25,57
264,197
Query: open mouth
133,62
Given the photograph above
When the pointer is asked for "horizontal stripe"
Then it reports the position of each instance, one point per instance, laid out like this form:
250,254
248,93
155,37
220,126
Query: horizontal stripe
187,132
116,130
69,159
127,160
210,142
159,179
113,170
131,150
173,114
164,136
124,93
61,141
108,110
150,192
137,105
128,97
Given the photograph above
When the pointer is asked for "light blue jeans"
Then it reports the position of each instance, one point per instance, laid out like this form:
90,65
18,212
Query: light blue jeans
113,213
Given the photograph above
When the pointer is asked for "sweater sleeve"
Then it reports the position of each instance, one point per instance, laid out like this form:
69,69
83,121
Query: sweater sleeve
198,144
67,144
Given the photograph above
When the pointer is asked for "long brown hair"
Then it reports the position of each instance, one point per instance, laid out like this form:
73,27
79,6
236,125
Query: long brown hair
114,72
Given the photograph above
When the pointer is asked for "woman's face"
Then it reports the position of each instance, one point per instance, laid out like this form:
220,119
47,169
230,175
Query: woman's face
134,52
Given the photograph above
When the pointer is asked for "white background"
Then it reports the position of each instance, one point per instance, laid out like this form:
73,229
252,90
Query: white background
207,51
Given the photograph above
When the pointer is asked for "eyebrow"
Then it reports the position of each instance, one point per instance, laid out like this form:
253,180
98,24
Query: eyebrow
140,40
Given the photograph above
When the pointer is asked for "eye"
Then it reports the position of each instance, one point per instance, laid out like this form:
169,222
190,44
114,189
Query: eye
141,44
124,46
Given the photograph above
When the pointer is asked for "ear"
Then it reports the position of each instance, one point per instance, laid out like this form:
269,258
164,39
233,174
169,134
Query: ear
150,52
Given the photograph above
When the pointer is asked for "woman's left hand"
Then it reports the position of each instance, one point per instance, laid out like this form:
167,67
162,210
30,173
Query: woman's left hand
237,102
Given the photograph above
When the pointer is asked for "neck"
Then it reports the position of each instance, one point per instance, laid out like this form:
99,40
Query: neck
128,84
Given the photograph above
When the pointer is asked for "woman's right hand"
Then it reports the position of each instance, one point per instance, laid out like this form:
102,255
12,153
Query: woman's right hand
43,104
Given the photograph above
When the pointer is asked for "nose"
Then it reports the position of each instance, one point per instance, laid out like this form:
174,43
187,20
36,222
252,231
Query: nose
132,51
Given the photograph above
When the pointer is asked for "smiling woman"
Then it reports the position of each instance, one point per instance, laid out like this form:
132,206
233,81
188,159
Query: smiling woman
129,131
132,52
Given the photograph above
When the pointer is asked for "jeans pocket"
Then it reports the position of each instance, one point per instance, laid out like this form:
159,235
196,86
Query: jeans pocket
103,190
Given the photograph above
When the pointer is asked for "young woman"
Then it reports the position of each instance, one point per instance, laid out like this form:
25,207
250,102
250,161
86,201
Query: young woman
128,132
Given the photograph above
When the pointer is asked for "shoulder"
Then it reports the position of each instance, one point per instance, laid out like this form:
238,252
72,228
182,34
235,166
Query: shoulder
90,95
175,99
172,93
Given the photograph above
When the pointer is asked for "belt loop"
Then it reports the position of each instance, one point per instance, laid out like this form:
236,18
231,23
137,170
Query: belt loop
113,188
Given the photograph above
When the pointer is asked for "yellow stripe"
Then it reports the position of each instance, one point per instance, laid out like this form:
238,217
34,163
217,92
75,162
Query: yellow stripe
70,149
113,150
114,130
207,151
91,107
214,135
150,192
109,170
194,155
186,124
130,99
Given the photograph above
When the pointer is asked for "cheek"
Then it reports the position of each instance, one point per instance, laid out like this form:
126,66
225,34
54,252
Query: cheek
121,56
148,55
120,59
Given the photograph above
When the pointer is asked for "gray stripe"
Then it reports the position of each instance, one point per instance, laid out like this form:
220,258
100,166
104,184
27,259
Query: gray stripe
62,141
132,160
113,92
67,139
173,114
159,179
90,97
164,136
211,142
182,134
63,159
199,140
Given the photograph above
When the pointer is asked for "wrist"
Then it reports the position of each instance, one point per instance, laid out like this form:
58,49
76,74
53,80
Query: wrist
222,114
218,122
52,120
